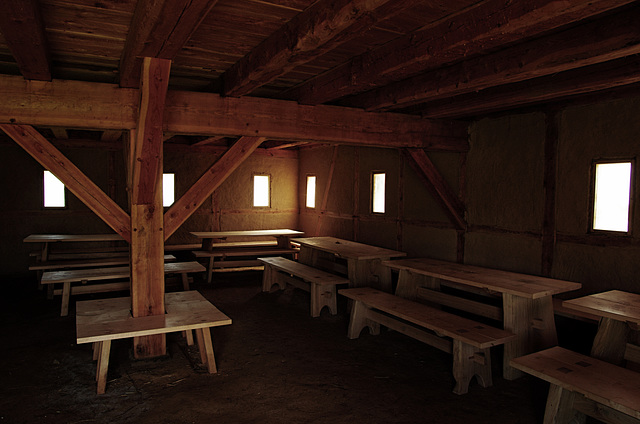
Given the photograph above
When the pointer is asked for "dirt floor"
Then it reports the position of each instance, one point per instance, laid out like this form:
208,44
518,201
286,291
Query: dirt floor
276,365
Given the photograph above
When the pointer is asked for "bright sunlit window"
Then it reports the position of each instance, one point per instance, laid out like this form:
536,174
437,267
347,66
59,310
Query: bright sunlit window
611,196
168,189
311,191
261,190
378,196
53,191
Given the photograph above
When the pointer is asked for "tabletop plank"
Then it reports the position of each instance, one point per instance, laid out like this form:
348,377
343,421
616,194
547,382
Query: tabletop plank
247,233
615,304
348,249
522,285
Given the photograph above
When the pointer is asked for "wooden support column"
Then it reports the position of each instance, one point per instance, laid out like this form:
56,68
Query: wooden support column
550,175
147,233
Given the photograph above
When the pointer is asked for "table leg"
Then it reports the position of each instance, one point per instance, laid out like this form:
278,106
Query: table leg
210,270
66,293
283,242
611,341
185,281
206,349
308,256
409,282
369,273
104,347
532,321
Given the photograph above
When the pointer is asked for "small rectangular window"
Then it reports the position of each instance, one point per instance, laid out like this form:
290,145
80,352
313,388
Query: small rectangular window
53,191
168,189
611,196
378,187
261,191
311,191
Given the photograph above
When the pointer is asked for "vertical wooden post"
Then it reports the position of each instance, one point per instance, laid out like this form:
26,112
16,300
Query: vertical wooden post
550,176
147,239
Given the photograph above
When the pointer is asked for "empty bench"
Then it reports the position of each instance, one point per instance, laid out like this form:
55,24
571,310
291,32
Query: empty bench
321,285
83,276
101,321
470,340
582,385
221,253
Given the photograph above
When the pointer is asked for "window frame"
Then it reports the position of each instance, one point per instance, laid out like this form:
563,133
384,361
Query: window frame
315,191
174,188
253,189
371,185
64,193
592,195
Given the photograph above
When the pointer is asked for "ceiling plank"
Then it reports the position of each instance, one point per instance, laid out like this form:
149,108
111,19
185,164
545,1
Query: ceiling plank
60,133
606,39
23,29
604,76
480,28
438,186
78,183
318,29
190,201
159,28
77,104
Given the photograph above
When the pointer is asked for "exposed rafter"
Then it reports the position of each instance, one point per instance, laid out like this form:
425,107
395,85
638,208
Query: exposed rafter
605,76
320,28
22,27
480,28
570,49
159,28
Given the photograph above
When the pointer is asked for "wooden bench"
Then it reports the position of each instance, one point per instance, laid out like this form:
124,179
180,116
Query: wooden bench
219,255
321,285
87,263
582,385
67,277
470,340
101,321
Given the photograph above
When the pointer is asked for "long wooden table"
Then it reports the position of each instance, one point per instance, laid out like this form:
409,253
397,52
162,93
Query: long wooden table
363,262
283,236
619,313
527,305
46,239
101,321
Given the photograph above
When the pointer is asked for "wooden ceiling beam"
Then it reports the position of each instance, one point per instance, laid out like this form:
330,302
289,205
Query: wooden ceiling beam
75,180
190,201
318,29
601,77
23,29
599,41
480,28
77,104
159,28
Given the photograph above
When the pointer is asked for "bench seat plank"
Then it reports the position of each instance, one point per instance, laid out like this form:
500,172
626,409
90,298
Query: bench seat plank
450,325
607,384
320,284
87,263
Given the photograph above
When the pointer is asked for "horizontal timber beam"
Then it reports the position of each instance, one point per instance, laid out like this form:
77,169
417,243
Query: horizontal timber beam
72,104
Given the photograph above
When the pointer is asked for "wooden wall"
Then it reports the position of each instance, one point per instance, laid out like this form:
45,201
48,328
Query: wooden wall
502,179
229,208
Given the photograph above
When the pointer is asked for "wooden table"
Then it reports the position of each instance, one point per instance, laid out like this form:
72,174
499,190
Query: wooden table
283,236
619,313
527,305
364,262
101,321
45,239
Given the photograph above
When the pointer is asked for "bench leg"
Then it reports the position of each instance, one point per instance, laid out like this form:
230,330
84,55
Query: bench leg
66,293
205,346
185,281
210,270
359,320
322,296
468,362
270,277
104,347
559,409
189,336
